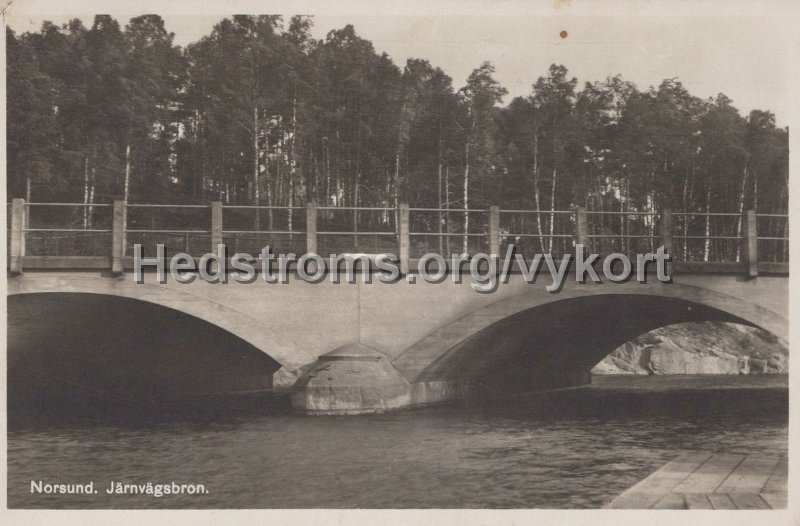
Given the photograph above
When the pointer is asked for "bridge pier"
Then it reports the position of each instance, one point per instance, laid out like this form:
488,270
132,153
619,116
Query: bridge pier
283,380
353,379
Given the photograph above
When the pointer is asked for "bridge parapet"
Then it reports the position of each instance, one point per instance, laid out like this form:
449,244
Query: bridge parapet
101,236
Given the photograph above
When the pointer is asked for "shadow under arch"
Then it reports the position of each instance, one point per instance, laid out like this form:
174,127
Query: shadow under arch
546,346
84,351
234,318
414,361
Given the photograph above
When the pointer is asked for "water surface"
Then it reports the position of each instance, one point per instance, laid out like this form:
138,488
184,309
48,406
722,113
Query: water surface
576,448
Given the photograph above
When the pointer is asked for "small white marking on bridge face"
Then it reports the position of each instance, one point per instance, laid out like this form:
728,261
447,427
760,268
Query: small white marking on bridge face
411,278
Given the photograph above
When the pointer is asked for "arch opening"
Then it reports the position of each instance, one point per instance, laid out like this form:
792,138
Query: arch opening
556,344
78,354
719,348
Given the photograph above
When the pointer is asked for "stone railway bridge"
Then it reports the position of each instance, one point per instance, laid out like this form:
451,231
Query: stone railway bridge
352,347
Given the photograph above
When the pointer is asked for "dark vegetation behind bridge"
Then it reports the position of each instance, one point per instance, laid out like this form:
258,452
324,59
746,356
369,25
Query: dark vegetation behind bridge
260,112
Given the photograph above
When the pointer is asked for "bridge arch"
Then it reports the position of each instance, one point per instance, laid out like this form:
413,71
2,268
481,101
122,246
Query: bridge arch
533,338
77,352
229,316
468,334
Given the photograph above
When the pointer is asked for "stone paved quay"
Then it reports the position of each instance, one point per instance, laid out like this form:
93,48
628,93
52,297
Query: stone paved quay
720,481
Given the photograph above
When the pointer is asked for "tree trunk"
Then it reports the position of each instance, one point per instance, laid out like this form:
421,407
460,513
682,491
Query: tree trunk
127,172
315,194
357,181
327,160
685,203
628,205
689,207
395,193
28,200
221,180
91,192
707,247
387,217
447,206
651,208
536,190
198,155
85,192
466,202
339,192
292,166
552,209
270,194
257,224
742,194
91,201
623,219
439,200
755,191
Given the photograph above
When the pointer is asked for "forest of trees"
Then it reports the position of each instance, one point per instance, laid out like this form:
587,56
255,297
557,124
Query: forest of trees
259,112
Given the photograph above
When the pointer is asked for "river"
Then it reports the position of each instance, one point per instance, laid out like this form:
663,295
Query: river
575,448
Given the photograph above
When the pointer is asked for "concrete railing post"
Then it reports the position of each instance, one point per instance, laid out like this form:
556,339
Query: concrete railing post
311,227
581,227
751,244
666,234
666,230
118,237
494,231
17,242
403,241
216,225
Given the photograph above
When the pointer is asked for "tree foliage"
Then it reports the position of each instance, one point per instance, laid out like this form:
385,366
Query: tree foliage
260,112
